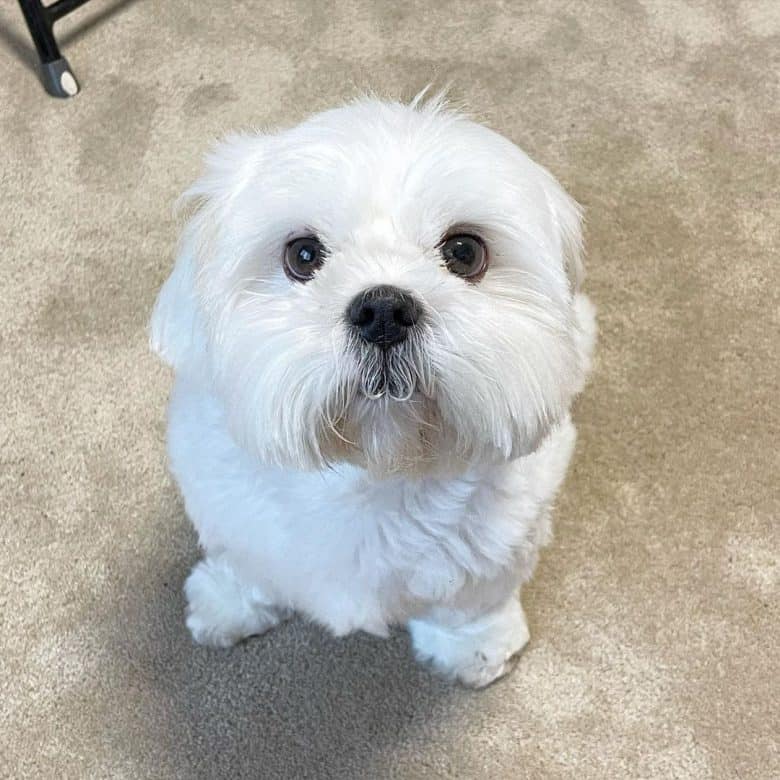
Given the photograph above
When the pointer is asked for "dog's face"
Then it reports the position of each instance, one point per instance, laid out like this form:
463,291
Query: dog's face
384,284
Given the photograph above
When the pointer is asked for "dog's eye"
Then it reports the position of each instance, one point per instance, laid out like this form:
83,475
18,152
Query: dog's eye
302,257
465,255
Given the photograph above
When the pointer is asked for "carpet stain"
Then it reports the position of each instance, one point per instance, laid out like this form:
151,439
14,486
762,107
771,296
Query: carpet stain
208,97
113,140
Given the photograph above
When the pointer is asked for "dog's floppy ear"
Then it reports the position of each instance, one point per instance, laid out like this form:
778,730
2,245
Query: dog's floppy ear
567,219
175,321
176,328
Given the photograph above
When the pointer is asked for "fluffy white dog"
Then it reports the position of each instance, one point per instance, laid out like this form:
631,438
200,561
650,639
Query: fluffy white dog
377,329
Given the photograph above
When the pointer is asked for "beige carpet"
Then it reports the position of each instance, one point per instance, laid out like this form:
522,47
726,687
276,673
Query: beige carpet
654,614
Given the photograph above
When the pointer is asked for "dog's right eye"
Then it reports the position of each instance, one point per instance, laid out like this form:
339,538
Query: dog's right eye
302,257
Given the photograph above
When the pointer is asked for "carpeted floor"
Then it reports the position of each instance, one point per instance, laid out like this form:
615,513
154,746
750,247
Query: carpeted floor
654,614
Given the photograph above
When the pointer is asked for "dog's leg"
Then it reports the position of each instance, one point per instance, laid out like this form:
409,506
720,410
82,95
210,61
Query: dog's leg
477,651
222,610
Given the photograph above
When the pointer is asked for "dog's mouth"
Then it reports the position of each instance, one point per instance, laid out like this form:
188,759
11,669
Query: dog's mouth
387,375
397,373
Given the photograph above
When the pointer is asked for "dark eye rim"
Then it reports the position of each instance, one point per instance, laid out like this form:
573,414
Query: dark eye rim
461,233
291,272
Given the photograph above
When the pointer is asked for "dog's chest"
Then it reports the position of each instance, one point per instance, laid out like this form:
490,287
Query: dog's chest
424,539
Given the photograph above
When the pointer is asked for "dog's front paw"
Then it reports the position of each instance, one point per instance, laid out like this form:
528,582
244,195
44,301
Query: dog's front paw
222,610
475,653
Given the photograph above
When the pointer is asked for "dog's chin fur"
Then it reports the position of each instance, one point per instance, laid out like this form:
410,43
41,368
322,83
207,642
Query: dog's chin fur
435,460
390,437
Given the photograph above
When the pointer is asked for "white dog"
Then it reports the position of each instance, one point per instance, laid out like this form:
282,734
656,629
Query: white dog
377,329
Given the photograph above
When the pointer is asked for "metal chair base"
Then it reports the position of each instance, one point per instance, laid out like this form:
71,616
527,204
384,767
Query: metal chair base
56,73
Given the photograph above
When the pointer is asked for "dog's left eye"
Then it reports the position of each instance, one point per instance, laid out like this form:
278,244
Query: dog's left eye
465,255
302,257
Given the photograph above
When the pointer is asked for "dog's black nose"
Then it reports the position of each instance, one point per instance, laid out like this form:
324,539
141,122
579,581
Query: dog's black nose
383,315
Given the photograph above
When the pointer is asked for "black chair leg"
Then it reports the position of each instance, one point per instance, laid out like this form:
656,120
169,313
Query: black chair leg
58,78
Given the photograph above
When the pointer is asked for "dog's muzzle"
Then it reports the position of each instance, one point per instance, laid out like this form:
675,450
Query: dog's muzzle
385,325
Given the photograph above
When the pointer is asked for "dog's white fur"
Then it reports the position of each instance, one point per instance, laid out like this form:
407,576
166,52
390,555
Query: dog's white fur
308,494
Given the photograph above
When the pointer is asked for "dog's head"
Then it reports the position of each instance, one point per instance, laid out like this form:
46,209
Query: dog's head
391,285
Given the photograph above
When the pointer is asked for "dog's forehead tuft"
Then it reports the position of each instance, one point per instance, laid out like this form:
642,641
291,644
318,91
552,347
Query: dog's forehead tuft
374,158
388,140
